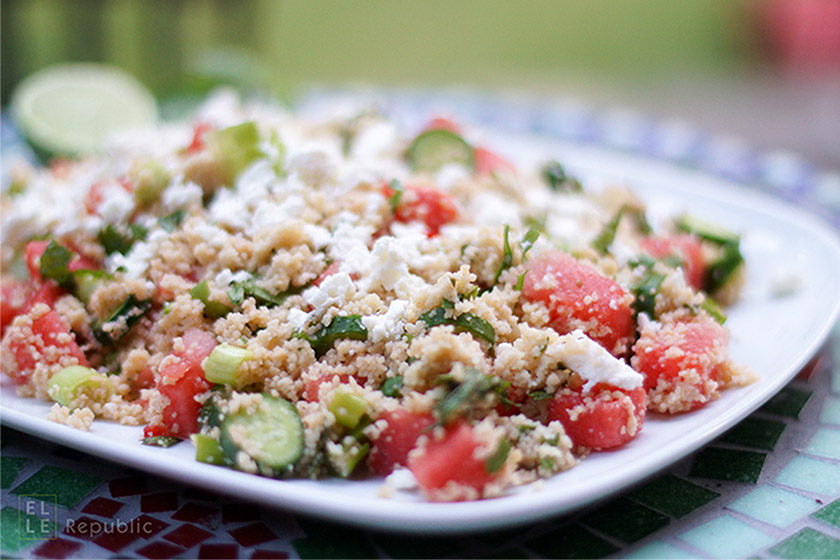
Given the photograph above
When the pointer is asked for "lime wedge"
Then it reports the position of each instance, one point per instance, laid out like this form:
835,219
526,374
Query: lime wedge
71,109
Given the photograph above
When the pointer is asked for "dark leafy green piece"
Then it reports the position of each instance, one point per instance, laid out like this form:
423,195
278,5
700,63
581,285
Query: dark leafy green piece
173,221
392,387
555,176
54,264
464,395
507,256
396,197
465,322
496,461
161,441
349,326
239,291
604,239
116,240
645,288
120,322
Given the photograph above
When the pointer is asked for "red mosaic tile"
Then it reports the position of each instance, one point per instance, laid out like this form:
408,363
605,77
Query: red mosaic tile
262,554
234,513
115,540
103,507
188,535
83,528
208,551
201,495
159,549
149,526
130,486
256,533
57,548
161,501
195,513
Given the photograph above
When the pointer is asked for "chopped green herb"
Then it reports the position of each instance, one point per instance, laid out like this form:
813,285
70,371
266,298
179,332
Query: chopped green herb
248,288
127,315
507,256
547,463
392,387
349,326
520,281
54,264
496,461
711,307
114,240
604,239
463,322
394,199
161,441
540,395
464,395
555,176
173,221
528,240
719,271
645,289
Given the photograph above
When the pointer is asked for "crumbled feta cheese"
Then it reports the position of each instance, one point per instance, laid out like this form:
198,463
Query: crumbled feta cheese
229,210
401,479
591,361
336,289
226,277
297,318
491,209
117,204
270,214
450,175
180,195
388,326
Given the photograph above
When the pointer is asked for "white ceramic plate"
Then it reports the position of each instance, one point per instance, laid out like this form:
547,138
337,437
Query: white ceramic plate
776,336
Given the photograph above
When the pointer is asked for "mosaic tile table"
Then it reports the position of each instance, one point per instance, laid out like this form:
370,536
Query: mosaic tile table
768,488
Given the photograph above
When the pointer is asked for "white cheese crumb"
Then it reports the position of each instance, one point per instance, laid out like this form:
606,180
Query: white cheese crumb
592,362
401,479
388,326
336,289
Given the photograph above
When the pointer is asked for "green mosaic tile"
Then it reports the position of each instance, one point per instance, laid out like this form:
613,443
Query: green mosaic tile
773,505
788,402
673,495
811,475
625,520
755,432
808,543
728,464
830,514
830,413
9,469
571,541
726,537
20,530
825,443
659,549
67,486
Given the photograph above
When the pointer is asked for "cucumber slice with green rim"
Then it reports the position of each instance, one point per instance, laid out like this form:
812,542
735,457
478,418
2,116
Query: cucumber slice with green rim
71,109
707,231
433,149
272,435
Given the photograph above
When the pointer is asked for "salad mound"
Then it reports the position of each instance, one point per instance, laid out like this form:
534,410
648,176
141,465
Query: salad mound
338,297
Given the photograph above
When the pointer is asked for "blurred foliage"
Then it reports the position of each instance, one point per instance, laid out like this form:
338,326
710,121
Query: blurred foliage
186,46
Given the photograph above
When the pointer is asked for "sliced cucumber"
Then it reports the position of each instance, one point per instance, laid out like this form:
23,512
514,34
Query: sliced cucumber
433,149
272,435
707,231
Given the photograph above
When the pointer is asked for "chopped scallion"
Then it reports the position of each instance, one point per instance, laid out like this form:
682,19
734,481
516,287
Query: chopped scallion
68,383
223,363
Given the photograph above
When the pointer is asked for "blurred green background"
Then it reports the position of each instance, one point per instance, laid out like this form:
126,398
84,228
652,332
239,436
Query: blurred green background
718,64
176,44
